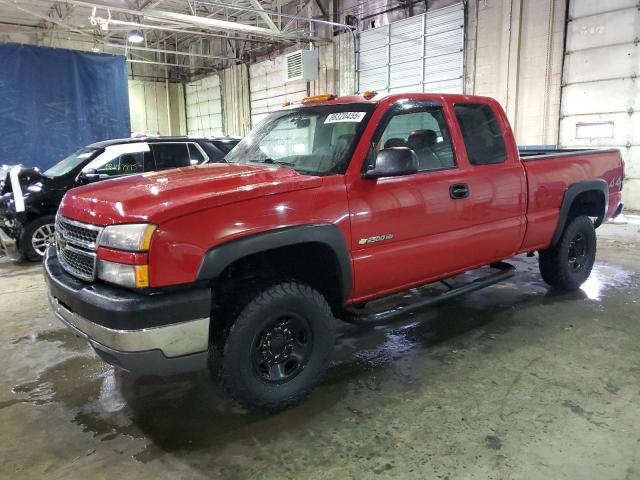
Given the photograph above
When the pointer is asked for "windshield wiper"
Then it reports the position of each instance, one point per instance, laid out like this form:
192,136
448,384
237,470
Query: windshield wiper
271,161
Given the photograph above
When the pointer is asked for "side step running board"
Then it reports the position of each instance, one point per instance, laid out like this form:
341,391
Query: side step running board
505,270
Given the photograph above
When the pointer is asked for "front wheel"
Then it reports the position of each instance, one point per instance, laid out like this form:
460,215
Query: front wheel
278,347
568,264
36,237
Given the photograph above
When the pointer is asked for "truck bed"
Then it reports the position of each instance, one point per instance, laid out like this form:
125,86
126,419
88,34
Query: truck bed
545,154
548,180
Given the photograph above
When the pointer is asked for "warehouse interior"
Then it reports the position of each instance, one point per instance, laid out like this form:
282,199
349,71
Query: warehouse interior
515,381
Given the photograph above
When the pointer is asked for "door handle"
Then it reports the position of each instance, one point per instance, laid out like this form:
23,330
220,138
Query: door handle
458,191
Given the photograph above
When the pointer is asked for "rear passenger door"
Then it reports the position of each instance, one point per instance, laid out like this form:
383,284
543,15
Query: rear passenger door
494,214
196,154
171,155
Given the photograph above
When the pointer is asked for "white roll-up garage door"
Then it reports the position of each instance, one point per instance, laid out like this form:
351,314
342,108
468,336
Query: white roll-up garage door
268,89
601,91
424,53
204,107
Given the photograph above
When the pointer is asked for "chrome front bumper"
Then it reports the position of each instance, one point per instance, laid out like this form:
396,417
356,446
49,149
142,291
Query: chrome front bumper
156,334
165,350
172,340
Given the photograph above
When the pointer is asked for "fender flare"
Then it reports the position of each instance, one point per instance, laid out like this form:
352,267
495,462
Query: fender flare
570,195
221,256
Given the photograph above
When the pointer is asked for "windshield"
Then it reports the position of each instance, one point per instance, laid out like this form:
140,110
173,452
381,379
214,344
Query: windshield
313,140
72,161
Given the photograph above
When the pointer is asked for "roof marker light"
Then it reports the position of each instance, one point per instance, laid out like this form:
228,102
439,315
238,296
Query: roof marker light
319,98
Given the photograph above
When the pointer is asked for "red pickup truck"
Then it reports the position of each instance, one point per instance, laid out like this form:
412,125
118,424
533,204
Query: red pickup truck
321,209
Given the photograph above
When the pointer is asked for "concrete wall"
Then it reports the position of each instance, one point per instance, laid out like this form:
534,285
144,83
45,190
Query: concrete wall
155,109
514,54
269,90
204,106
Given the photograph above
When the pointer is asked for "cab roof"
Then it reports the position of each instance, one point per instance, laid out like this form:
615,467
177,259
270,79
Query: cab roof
377,98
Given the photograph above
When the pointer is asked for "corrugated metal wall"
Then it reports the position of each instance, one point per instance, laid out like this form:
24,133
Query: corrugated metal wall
204,107
423,53
601,90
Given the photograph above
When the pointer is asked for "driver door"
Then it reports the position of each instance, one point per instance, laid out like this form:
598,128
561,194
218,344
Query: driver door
403,228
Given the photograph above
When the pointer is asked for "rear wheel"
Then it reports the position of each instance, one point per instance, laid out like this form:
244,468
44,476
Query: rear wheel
36,237
568,264
278,347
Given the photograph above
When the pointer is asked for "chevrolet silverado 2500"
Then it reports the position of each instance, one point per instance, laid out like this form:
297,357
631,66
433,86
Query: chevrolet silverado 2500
321,209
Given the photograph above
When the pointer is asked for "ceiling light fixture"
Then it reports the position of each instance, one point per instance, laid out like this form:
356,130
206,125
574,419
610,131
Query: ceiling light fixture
135,36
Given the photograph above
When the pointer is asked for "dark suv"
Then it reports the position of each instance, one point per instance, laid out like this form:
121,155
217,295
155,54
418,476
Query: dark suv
30,198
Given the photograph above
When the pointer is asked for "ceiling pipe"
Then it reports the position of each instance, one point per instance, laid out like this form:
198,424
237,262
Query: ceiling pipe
149,62
169,52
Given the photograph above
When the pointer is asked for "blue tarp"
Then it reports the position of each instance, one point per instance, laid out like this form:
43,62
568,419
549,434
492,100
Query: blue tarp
54,101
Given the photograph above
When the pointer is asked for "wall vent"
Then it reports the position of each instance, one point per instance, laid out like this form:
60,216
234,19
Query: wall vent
300,65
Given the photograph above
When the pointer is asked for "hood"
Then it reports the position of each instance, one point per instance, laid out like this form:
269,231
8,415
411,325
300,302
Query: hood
160,196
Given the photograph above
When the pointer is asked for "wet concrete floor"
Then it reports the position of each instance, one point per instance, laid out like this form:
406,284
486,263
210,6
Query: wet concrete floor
511,382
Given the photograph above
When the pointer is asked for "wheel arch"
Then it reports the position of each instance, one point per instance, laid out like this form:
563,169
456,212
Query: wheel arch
327,237
588,197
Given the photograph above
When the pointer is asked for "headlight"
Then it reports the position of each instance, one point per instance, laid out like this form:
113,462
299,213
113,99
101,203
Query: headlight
132,276
133,237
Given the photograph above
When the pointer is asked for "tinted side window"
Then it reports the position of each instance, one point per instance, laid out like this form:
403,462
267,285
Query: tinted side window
226,146
195,155
425,132
481,133
149,162
171,155
125,164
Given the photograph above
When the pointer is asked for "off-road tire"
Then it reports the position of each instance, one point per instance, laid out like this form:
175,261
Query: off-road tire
25,245
266,303
555,263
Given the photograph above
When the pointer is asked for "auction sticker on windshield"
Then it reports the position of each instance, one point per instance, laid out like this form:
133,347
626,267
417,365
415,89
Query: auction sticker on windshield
345,117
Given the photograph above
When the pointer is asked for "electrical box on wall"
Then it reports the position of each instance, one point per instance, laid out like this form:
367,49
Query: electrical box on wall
300,65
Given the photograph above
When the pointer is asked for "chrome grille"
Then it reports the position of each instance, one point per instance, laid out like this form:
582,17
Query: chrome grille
80,234
79,263
76,243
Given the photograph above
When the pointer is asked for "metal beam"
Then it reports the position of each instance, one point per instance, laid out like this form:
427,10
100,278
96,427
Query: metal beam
210,22
276,14
261,11
40,16
144,26
188,19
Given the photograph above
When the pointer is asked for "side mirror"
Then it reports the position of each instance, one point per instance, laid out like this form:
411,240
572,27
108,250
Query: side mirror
394,162
88,176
